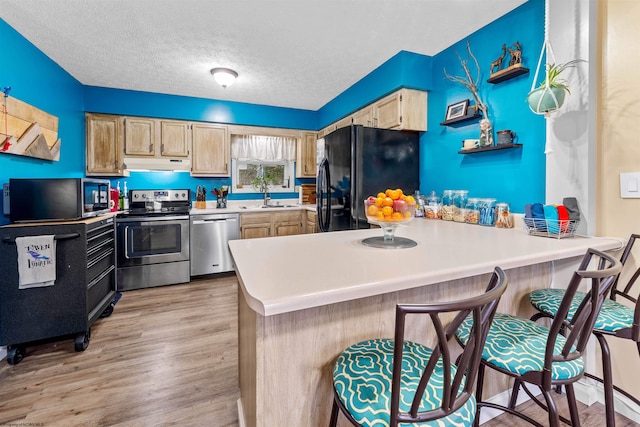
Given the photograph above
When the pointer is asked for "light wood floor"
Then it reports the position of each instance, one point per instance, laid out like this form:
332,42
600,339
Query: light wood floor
167,356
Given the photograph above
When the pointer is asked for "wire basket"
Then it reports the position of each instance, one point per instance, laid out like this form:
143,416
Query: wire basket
556,229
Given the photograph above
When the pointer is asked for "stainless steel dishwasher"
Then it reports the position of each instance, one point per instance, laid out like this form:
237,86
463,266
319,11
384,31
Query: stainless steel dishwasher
209,238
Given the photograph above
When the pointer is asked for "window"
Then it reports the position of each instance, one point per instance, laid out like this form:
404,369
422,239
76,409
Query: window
257,160
247,176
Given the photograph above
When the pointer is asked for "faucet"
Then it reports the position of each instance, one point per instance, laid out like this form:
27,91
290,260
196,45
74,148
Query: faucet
266,197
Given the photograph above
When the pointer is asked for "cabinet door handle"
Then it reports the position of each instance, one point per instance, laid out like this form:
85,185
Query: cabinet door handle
161,148
151,148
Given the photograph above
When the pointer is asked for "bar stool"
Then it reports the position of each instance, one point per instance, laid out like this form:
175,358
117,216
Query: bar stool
384,382
534,354
615,319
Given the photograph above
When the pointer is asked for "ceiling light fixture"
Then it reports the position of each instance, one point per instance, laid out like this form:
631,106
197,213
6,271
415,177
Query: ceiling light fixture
224,76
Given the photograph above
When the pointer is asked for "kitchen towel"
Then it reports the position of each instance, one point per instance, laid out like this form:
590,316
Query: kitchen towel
563,218
537,211
551,216
528,216
572,207
36,261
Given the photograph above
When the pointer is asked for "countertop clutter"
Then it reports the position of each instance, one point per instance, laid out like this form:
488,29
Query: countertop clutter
281,282
246,206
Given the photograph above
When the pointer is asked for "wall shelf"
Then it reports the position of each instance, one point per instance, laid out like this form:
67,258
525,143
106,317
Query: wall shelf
457,120
507,74
490,148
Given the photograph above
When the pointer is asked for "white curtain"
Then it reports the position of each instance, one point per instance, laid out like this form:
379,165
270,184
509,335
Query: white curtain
265,148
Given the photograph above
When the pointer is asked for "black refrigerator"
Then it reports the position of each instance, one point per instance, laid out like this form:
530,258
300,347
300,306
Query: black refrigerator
358,162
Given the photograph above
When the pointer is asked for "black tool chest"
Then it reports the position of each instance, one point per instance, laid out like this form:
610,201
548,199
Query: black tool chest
85,285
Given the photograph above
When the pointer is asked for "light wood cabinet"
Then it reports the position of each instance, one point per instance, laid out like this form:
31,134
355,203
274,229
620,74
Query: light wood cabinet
210,150
311,222
287,223
104,143
404,109
344,122
156,138
255,225
306,156
326,131
364,117
139,137
174,138
267,224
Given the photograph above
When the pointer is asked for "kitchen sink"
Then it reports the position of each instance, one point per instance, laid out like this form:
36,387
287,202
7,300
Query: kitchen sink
251,207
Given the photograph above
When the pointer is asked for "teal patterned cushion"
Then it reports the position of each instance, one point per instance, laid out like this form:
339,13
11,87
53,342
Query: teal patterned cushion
517,345
362,380
613,315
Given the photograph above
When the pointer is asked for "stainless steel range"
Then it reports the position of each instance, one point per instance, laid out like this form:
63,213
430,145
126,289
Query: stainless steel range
153,239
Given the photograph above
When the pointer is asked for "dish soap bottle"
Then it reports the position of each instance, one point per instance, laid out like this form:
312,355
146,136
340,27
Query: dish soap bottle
125,200
120,197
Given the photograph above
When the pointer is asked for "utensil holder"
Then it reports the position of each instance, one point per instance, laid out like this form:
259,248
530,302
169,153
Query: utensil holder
221,203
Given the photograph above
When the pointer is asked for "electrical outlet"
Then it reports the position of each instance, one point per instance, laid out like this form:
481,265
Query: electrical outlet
5,199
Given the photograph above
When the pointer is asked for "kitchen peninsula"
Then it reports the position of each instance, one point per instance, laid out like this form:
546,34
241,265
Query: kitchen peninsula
303,299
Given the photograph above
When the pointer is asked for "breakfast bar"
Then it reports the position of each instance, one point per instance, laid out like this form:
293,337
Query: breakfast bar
304,298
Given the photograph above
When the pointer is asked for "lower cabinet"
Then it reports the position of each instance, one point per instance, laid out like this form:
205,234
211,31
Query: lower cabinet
268,224
255,225
311,222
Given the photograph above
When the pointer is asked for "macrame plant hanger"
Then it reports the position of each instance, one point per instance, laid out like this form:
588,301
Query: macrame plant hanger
5,144
547,51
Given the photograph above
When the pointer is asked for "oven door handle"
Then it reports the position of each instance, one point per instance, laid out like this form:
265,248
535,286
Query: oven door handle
126,242
146,219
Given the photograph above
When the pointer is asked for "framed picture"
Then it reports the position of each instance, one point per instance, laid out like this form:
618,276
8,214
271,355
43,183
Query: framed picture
459,109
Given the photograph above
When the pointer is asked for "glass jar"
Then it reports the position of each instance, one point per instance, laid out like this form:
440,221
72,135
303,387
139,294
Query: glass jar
471,211
460,204
503,216
433,206
487,212
447,205
419,204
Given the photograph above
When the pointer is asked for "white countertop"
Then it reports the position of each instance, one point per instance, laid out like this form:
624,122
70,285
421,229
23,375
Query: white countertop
250,206
289,273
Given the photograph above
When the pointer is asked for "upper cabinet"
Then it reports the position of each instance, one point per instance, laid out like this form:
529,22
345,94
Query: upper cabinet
364,117
174,138
139,136
155,138
306,155
404,109
104,142
211,150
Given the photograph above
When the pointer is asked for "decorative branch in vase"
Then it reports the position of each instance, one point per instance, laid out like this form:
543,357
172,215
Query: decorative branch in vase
471,83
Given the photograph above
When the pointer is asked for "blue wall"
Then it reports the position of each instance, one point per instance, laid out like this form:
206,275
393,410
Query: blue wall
405,69
515,176
37,80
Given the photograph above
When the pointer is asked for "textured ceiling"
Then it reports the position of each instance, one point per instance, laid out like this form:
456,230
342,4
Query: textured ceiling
288,53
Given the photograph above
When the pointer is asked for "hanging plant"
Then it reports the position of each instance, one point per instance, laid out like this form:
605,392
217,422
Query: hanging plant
549,96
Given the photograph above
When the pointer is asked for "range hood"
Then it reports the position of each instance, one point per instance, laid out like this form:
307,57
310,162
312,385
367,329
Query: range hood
156,164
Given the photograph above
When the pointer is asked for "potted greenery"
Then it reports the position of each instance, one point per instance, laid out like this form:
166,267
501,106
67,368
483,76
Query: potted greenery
550,94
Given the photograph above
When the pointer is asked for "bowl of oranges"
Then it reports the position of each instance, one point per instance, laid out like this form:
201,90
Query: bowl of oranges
390,207
389,210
